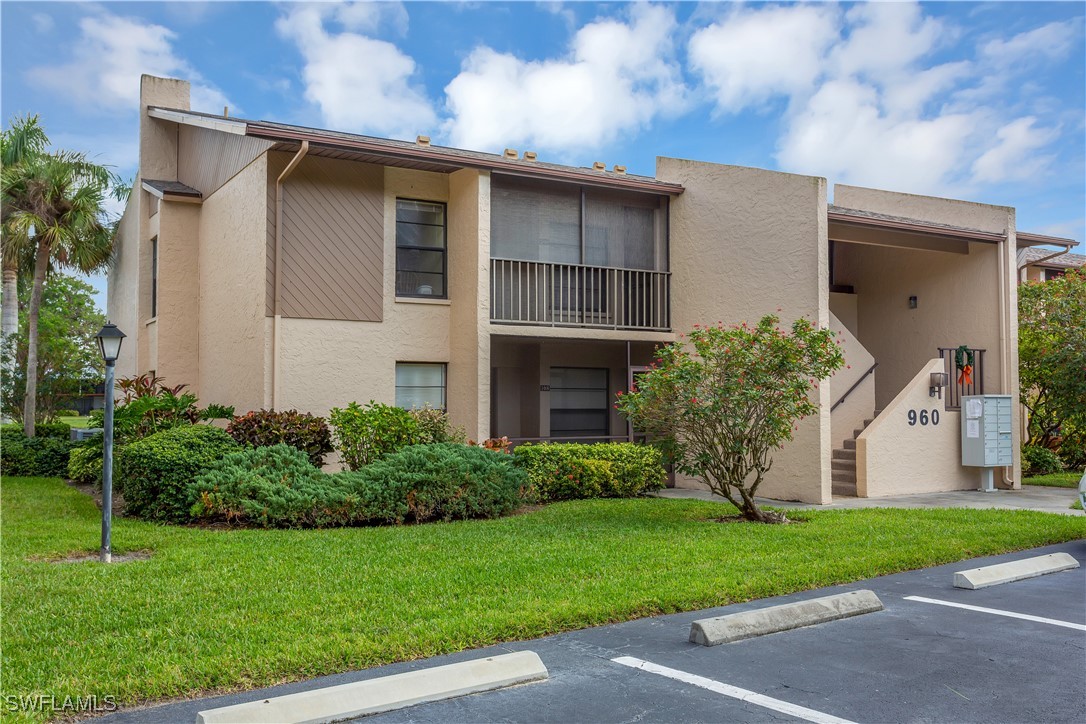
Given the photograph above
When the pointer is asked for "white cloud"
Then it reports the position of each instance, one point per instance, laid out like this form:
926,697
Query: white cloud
359,83
1014,154
110,55
755,54
843,133
866,103
43,22
1051,42
617,77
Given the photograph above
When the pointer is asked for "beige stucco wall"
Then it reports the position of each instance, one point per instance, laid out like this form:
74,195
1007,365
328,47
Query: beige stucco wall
328,363
860,404
469,293
231,303
846,309
893,457
122,286
958,294
177,356
745,242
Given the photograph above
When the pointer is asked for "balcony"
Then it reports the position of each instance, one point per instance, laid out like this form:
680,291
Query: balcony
576,295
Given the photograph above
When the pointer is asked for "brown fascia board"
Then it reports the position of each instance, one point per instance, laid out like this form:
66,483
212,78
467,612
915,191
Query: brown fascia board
918,227
464,159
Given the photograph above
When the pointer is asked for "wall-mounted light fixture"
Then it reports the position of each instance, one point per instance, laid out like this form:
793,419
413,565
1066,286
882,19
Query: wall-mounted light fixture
912,302
939,380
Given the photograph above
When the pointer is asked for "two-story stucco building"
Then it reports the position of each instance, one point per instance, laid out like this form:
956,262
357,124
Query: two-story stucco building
277,266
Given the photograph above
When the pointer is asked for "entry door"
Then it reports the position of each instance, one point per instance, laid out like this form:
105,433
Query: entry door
579,402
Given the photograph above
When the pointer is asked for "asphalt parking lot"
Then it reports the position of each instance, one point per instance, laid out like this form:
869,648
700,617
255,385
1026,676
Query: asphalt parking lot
916,661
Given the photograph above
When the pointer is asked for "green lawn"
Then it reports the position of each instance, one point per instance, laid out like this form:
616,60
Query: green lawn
75,421
219,610
1055,480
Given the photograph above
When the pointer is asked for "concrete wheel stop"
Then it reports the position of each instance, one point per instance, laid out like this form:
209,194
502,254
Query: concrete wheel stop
1014,571
787,616
386,693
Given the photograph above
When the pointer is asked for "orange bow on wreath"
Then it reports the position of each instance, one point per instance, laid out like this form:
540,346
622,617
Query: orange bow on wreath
963,360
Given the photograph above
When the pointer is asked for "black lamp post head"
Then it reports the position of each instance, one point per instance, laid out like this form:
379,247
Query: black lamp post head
109,342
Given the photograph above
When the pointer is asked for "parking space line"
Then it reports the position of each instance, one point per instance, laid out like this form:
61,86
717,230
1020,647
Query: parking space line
735,692
997,612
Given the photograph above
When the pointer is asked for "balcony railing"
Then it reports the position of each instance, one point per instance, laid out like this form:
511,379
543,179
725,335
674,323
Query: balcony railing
575,295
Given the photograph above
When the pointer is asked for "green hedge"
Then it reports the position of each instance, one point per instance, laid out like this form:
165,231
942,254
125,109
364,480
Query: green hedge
569,471
85,462
154,474
55,430
42,456
277,487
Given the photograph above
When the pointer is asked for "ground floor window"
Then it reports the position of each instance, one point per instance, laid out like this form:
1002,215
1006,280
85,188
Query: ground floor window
579,402
420,384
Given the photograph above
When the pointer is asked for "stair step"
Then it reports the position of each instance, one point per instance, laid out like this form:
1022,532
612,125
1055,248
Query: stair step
850,444
844,489
868,422
844,476
857,431
845,465
844,454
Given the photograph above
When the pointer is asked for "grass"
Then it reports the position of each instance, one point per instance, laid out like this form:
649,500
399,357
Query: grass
75,421
221,610
1055,480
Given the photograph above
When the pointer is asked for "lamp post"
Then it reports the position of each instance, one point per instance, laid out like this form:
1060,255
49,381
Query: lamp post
109,344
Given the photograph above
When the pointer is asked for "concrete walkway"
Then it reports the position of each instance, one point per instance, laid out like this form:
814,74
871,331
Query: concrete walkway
1030,497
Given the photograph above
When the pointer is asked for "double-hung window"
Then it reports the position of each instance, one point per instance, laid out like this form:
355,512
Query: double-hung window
421,263
420,384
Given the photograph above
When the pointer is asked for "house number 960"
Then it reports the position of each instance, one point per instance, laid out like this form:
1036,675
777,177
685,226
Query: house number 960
923,417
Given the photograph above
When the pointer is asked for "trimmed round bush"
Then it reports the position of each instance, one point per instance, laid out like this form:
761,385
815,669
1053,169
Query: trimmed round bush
1039,460
277,487
155,473
271,487
570,471
264,428
85,463
441,481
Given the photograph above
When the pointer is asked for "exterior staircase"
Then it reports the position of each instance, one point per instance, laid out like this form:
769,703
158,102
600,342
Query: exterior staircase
843,464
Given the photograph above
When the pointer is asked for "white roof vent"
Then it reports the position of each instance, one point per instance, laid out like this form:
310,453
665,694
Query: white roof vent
422,140
599,166
511,153
620,169
530,155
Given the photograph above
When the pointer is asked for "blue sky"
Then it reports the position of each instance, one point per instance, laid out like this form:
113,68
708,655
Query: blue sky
983,101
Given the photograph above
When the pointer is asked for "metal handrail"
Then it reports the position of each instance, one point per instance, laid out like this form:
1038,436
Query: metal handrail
854,386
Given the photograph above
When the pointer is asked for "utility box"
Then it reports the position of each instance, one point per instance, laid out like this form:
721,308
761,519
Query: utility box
987,441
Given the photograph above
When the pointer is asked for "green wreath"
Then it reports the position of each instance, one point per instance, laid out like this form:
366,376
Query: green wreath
963,357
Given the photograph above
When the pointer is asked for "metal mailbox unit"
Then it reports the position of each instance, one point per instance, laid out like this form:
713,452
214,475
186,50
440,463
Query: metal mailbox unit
986,435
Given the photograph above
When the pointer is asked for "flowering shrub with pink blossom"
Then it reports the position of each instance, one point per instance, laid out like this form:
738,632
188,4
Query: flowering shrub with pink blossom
721,401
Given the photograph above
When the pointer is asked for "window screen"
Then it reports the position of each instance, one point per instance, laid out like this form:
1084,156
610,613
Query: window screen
579,402
620,230
535,222
420,385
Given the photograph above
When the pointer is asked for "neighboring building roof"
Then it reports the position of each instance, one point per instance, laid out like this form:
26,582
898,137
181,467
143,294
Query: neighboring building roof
1063,261
406,154
167,189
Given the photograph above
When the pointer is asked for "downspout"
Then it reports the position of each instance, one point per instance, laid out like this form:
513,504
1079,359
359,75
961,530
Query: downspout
278,251
1024,264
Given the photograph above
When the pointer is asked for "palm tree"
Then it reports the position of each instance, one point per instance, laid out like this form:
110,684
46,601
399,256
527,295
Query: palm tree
56,204
24,139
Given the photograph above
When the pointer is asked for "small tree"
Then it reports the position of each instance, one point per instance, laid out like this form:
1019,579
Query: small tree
720,405
1052,356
